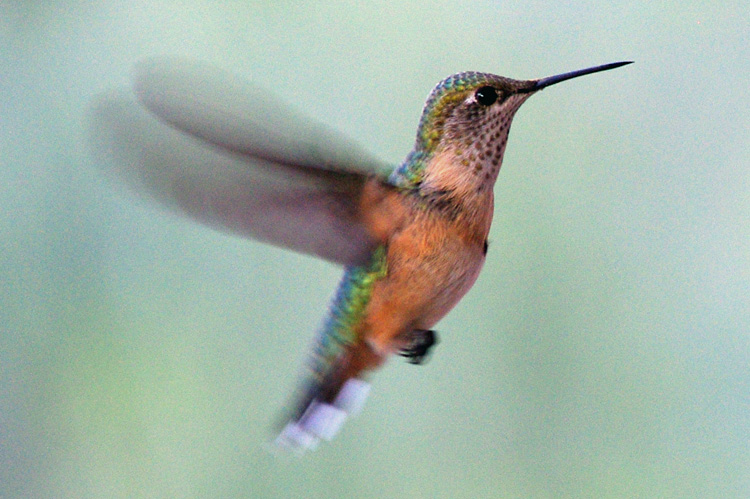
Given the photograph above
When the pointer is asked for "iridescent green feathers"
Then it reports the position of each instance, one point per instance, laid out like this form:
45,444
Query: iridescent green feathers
347,309
439,107
444,97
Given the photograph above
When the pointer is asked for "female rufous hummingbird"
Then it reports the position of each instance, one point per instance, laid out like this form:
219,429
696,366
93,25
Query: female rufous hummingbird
412,238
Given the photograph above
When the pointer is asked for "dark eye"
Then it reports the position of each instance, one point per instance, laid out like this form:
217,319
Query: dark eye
486,96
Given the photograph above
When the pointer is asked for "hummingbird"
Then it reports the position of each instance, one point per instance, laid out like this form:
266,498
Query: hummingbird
412,238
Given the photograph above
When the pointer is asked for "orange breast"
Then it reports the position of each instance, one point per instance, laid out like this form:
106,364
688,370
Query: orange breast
432,262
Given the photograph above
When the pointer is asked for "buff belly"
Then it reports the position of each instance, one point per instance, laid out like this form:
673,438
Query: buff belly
431,266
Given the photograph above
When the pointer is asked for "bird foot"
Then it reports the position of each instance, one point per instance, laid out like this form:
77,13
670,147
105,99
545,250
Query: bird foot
418,344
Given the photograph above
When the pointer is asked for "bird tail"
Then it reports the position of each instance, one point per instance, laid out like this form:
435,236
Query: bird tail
335,387
325,402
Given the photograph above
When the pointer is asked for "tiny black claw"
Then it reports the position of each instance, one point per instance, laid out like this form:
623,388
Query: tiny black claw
419,344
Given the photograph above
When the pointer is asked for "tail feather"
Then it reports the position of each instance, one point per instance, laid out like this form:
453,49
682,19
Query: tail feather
323,420
329,400
335,388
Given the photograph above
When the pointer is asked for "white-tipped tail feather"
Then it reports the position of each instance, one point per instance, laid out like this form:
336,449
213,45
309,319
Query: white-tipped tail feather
352,396
321,420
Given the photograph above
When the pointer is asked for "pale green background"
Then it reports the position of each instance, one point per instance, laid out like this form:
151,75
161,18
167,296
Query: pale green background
604,351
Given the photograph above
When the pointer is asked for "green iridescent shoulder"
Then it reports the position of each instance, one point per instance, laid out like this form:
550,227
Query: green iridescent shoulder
409,174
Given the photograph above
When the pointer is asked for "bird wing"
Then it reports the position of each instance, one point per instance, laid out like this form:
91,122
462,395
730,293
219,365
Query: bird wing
208,145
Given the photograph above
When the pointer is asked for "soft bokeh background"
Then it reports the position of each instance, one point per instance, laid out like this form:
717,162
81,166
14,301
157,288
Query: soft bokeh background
603,352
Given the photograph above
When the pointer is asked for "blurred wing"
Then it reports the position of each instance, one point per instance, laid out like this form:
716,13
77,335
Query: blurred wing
236,116
256,181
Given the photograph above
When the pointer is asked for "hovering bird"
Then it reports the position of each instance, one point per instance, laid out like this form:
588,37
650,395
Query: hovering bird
412,238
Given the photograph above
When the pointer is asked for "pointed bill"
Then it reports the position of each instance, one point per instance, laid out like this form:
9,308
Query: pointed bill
551,80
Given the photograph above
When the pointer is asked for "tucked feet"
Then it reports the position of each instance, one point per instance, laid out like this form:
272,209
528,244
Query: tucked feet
418,344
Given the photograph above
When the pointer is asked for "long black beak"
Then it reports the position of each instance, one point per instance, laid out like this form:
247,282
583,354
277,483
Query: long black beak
551,80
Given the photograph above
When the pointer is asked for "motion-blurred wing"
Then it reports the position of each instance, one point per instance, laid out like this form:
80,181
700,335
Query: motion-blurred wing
235,116
270,175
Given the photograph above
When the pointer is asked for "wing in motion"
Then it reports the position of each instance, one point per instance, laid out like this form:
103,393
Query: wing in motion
225,153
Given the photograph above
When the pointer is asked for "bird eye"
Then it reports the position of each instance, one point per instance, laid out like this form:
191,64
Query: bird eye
486,96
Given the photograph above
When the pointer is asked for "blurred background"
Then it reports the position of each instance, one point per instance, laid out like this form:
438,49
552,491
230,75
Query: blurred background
604,351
